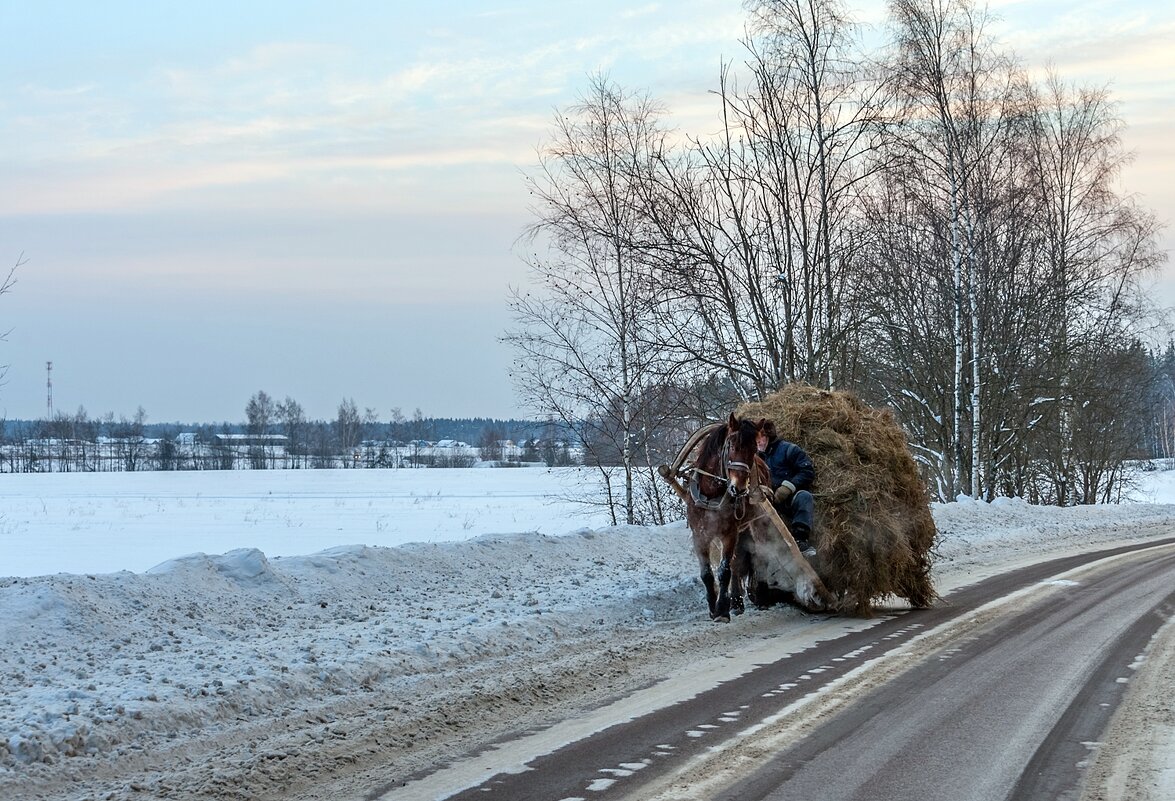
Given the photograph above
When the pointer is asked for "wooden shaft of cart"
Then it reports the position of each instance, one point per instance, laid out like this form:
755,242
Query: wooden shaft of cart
671,472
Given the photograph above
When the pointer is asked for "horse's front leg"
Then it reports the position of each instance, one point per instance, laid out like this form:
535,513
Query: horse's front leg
741,570
707,575
722,608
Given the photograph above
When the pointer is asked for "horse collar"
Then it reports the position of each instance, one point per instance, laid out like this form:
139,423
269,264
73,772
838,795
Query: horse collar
702,501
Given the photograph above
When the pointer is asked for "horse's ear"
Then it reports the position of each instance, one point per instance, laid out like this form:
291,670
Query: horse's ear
732,423
761,424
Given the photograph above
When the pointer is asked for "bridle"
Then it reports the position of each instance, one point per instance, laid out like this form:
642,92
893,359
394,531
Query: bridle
732,492
729,464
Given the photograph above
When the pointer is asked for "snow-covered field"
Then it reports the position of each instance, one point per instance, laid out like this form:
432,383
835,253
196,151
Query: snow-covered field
300,649
106,522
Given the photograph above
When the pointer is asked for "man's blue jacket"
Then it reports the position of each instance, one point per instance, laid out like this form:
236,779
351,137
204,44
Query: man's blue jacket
789,462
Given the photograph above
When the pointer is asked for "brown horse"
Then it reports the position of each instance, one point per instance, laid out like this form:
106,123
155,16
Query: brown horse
720,482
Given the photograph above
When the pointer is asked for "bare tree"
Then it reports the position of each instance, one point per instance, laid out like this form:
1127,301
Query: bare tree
1005,260
396,426
1097,245
1162,428
348,427
130,442
293,424
816,118
323,442
584,355
260,413
752,229
417,431
959,94
490,443
5,285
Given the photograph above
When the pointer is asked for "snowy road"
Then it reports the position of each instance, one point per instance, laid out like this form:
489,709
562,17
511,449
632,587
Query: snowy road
994,698
1009,701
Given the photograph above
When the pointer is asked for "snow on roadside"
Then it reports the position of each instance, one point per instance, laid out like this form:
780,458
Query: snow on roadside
98,665
966,526
91,662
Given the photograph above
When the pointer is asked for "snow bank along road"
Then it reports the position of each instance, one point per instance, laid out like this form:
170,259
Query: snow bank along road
421,671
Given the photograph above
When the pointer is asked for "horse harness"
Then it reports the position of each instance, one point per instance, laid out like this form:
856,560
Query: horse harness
715,504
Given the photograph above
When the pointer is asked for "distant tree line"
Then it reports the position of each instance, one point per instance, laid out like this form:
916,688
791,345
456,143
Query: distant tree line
922,223
278,434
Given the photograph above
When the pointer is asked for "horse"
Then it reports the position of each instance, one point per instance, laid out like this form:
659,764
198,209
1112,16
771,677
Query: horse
720,483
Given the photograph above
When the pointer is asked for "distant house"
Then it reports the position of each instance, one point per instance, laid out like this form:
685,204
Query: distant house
452,443
250,440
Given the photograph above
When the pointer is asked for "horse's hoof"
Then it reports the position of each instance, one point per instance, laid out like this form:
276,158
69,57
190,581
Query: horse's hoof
737,608
720,618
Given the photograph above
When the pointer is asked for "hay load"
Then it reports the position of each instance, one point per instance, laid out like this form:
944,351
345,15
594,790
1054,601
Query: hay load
874,532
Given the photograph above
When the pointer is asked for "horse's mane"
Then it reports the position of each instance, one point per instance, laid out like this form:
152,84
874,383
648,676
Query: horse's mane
747,433
712,445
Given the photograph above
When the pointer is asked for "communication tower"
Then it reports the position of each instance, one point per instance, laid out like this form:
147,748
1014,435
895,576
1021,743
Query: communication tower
49,390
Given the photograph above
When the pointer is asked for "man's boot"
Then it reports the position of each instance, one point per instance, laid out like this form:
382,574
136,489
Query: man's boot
801,532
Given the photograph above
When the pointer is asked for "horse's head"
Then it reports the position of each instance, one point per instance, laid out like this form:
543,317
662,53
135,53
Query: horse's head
738,454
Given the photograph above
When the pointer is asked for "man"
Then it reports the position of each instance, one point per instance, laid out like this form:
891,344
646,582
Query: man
792,474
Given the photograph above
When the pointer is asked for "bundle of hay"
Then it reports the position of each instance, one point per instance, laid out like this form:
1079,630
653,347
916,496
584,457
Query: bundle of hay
874,532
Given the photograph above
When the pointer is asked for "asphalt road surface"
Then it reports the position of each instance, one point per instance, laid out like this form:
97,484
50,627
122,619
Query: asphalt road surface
999,692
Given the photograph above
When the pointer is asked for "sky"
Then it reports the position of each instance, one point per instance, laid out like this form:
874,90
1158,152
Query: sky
323,201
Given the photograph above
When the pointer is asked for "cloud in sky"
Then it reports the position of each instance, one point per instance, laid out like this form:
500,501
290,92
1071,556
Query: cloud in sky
179,178
322,200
